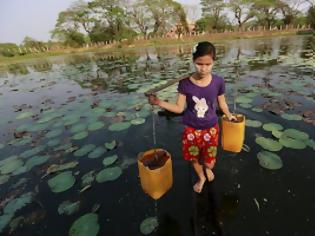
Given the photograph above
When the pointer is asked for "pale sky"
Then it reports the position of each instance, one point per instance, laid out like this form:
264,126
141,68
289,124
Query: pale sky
35,18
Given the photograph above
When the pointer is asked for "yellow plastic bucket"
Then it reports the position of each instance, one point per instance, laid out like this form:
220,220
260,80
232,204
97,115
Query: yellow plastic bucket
233,133
157,178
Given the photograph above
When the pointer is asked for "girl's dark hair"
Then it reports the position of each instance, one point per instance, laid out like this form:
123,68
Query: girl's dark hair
204,48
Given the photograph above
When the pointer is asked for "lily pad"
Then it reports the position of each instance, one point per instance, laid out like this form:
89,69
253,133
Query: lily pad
61,182
253,123
110,160
68,208
243,99
272,127
54,133
11,166
53,142
32,152
277,133
137,121
35,161
291,116
84,150
97,152
269,160
148,225
95,126
88,178
257,109
119,126
78,128
108,174
269,144
111,145
81,135
24,115
85,225
292,143
296,134
4,179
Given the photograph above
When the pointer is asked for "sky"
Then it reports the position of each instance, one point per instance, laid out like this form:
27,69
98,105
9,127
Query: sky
35,18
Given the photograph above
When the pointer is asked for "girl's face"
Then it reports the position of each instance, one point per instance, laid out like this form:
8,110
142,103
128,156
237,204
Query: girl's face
203,65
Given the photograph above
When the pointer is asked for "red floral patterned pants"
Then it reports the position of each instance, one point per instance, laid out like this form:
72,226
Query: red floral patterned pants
200,143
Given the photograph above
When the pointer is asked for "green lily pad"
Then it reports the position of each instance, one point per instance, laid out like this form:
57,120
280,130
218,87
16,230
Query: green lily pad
97,152
137,121
269,160
269,144
68,208
85,225
310,143
277,133
11,166
84,150
257,109
245,105
54,133
81,135
71,121
148,225
88,178
61,182
119,126
32,152
36,161
243,99
111,145
53,142
292,143
272,127
95,126
4,179
296,134
78,128
108,174
110,160
253,123
291,116
24,115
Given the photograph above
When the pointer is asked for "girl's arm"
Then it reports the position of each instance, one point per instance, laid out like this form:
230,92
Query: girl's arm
224,107
178,107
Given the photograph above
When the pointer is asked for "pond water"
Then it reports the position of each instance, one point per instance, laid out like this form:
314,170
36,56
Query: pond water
72,127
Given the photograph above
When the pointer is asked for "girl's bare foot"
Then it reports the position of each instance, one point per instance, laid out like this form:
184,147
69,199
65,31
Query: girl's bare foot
210,175
199,185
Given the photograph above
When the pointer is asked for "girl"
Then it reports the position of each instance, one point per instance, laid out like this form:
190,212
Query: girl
200,92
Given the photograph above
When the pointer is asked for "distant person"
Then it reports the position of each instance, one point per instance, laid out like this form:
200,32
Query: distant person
201,91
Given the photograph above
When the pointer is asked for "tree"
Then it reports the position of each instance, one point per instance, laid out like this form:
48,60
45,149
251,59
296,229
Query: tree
214,9
242,10
311,16
266,11
32,43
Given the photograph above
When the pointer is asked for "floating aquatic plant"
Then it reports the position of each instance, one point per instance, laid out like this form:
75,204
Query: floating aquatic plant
85,225
268,144
108,174
148,225
110,160
61,182
119,126
269,160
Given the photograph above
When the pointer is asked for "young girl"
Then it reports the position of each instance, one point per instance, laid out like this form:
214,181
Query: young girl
200,92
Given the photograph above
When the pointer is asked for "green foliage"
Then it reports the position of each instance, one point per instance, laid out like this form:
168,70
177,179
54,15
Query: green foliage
311,17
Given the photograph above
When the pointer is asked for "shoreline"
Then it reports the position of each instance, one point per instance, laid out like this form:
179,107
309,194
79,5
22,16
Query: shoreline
157,42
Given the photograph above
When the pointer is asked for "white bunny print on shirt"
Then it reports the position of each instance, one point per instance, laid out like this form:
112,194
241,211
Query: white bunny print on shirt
201,106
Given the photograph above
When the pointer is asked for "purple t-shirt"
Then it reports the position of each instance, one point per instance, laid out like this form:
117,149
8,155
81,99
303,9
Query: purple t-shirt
200,112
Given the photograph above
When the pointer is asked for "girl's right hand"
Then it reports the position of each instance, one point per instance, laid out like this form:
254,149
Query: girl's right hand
153,99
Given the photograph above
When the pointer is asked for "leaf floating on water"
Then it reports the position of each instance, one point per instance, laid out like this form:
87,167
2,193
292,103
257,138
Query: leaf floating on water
95,126
269,144
84,150
137,121
253,123
68,208
61,182
108,174
272,127
148,225
85,188
86,225
97,152
111,145
54,167
296,134
109,160
81,135
291,117
119,126
269,160
24,115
